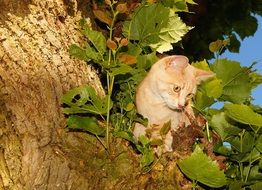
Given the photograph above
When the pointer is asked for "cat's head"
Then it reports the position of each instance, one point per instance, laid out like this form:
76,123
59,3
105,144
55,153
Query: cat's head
177,80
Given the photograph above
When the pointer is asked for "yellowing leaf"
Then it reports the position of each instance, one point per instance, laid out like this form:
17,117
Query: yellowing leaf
216,46
111,44
102,16
127,59
121,7
201,65
129,106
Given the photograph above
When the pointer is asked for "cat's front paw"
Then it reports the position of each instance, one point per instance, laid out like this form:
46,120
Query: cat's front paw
139,130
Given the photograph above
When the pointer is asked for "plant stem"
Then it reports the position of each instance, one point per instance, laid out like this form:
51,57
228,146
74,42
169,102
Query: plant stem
110,81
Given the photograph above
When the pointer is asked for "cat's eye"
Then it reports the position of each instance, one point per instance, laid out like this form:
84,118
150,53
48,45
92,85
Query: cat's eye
176,88
190,95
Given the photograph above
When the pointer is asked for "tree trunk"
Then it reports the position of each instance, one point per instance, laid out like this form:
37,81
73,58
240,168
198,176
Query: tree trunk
35,71
36,151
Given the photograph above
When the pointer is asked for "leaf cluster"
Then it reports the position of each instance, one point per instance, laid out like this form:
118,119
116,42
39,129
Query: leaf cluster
238,124
218,19
152,28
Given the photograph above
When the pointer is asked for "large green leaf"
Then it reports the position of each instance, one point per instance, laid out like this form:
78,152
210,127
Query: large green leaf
120,69
97,39
202,101
246,27
89,124
85,100
243,114
213,88
171,34
223,127
155,26
235,80
201,168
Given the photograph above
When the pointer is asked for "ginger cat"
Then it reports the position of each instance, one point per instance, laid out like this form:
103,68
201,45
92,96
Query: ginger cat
164,95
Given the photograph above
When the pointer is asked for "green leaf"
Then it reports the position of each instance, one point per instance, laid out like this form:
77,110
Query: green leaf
246,27
120,69
234,44
155,26
259,144
213,88
171,34
202,101
85,54
201,65
256,186
243,114
125,135
97,39
242,144
146,61
166,127
201,168
85,123
147,158
223,127
85,100
78,52
255,79
235,80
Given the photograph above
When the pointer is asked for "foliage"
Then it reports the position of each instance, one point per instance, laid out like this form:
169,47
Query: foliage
218,19
237,123
201,168
124,61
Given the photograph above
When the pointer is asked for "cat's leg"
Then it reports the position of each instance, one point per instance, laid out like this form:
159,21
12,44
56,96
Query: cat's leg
168,142
139,130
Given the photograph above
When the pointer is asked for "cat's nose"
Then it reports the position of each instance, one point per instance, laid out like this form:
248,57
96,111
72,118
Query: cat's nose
179,106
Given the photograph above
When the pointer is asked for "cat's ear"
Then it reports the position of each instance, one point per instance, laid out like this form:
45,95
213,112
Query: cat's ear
178,62
202,75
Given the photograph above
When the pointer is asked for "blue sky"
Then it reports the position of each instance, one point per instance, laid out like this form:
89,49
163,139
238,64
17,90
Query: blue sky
250,51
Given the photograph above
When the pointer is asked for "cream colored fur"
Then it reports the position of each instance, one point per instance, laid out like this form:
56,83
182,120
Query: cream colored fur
164,95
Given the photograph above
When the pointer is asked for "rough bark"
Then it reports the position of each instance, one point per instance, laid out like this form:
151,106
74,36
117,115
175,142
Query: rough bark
35,71
36,151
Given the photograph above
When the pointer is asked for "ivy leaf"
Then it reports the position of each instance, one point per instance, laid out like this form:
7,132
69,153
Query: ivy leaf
97,39
201,168
243,114
235,80
89,124
155,26
85,100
